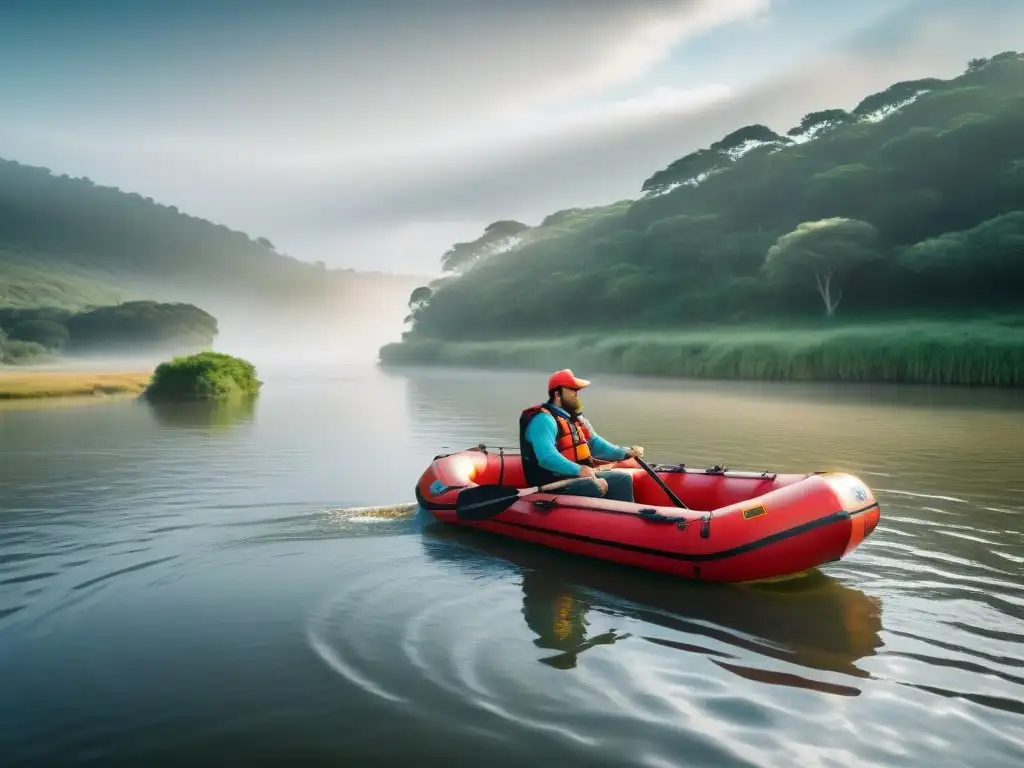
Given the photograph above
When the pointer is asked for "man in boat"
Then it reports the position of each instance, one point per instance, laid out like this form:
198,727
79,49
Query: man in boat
557,442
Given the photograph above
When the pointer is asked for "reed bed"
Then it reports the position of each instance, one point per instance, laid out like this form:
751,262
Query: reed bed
966,353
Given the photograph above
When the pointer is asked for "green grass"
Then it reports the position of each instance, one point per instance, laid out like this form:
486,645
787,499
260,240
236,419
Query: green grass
981,352
204,376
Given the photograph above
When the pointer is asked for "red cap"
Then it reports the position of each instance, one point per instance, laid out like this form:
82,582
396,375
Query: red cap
565,378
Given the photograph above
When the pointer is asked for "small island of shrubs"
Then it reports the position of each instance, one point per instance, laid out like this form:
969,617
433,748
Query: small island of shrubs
203,376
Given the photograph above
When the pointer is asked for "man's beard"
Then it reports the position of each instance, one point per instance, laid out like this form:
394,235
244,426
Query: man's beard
576,408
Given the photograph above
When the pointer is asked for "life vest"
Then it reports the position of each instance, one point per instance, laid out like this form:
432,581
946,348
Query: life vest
570,441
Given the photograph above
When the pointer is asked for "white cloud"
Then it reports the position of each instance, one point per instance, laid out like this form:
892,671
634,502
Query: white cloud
622,48
328,89
376,143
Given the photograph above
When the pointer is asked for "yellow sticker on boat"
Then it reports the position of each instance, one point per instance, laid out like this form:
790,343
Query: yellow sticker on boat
754,512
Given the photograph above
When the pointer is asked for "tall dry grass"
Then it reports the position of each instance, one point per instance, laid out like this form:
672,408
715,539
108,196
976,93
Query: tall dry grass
22,384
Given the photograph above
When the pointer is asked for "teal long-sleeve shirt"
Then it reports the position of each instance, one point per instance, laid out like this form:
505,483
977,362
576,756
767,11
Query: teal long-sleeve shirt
542,433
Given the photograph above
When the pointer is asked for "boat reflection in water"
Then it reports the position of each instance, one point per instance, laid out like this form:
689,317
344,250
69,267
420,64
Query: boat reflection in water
815,622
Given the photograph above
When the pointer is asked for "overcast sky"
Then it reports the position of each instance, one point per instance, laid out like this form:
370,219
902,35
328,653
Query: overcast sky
375,133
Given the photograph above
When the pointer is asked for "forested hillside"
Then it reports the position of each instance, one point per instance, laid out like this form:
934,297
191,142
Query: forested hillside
909,205
70,243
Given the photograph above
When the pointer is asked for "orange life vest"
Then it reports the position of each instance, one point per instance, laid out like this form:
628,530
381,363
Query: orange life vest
572,437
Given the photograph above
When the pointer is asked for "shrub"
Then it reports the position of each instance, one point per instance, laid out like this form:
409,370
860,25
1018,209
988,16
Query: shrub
204,376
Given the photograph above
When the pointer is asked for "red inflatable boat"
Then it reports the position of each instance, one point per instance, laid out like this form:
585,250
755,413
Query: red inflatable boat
738,526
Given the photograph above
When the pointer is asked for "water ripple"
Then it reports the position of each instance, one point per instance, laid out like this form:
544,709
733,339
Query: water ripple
142,559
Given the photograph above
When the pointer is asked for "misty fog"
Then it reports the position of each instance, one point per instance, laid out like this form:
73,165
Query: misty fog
278,338
285,338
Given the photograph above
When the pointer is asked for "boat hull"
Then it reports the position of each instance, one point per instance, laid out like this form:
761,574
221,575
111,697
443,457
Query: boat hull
741,526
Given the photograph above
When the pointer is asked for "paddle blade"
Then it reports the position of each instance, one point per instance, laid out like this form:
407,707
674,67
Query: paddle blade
484,501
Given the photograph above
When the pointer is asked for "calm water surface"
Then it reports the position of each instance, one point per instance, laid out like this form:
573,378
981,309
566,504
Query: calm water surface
190,586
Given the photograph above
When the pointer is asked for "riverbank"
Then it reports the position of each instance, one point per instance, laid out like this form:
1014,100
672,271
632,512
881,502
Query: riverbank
974,352
23,385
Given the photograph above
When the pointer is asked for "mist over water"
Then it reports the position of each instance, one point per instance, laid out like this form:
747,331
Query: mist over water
277,338
306,337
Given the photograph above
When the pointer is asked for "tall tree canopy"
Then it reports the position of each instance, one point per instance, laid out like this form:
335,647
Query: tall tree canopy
913,200
825,249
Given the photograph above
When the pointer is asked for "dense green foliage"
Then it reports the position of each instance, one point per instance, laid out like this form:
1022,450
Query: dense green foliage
911,204
204,376
143,323
985,352
133,325
16,351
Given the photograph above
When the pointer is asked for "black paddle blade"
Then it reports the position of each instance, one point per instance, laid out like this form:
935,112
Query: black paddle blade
484,501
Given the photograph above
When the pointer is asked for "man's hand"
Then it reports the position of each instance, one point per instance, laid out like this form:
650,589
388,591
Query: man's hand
634,451
586,471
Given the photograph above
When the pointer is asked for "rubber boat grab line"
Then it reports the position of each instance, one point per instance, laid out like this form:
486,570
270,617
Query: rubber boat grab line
704,557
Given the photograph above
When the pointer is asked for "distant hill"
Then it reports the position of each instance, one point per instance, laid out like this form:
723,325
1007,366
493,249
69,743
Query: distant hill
70,243
134,327
909,205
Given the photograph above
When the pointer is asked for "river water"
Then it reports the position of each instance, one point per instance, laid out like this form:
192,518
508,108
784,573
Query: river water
190,586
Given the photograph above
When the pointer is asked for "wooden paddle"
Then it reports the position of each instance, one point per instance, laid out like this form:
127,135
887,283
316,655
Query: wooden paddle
485,501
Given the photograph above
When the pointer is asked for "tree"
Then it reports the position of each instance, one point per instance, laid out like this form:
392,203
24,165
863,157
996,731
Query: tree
418,300
741,141
825,249
692,169
816,124
419,297
142,323
505,228
48,333
993,248
1005,57
459,256
884,103
497,237
976,65
265,243
14,351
